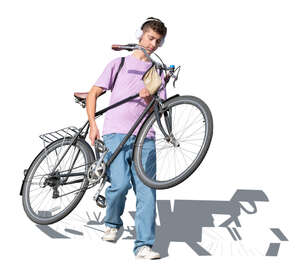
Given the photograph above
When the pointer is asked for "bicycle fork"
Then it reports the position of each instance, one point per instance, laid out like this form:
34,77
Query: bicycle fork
158,108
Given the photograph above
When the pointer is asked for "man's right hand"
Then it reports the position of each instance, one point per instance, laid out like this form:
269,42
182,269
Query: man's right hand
91,108
94,134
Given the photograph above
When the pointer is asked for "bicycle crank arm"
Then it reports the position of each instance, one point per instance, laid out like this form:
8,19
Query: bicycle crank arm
100,200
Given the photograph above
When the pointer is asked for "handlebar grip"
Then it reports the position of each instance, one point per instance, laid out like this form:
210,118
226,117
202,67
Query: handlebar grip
116,47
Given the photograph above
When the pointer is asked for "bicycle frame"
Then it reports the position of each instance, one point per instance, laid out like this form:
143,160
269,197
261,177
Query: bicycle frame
158,109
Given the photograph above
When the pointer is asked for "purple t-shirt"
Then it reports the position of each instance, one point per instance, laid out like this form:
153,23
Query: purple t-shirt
129,82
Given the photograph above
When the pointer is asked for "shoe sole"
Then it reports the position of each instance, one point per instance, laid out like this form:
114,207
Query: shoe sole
109,240
147,258
144,258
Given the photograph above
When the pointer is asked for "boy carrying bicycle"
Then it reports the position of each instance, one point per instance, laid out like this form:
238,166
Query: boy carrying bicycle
117,123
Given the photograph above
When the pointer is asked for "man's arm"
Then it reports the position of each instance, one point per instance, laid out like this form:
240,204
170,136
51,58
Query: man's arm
91,109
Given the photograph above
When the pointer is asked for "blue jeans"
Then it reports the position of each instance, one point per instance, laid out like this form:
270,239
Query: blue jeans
120,173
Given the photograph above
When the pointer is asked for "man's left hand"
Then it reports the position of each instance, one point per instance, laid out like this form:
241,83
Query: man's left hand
144,93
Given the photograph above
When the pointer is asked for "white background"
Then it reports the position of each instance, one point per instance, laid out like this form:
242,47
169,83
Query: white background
241,57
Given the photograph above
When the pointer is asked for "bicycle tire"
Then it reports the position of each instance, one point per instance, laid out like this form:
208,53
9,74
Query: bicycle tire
45,217
153,181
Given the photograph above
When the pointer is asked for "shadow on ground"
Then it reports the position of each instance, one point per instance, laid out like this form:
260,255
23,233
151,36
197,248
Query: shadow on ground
186,221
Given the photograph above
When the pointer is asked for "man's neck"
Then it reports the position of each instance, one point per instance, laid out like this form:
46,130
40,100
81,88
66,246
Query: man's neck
139,54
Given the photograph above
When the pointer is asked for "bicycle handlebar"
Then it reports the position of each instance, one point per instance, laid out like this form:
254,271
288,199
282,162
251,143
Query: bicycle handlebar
131,47
128,47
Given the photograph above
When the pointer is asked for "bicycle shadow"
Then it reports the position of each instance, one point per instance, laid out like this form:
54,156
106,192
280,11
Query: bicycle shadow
187,220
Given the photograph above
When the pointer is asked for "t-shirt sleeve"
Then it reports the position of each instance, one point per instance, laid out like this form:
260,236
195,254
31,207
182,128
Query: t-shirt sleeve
107,77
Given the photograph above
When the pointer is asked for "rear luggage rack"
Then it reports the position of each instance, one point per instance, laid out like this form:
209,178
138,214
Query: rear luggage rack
59,134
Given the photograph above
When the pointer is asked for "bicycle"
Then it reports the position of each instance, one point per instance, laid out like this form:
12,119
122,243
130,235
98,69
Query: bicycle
68,166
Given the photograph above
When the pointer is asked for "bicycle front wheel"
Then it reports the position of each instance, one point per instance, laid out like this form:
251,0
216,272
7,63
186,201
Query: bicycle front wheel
179,156
50,196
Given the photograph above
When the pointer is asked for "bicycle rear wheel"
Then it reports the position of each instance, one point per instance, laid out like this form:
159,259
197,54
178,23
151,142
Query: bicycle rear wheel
178,158
50,196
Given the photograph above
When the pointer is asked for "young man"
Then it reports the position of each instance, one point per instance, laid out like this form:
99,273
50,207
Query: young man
117,123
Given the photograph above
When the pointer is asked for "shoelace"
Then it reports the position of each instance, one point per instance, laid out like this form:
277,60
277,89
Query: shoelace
112,229
145,248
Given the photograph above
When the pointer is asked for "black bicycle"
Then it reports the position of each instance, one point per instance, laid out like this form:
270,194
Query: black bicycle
58,177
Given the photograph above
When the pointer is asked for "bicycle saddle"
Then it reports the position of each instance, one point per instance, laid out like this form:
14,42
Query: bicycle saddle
81,95
80,98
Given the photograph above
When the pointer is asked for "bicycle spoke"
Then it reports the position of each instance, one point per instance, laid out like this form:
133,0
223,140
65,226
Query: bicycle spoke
189,151
189,130
190,134
174,162
58,156
66,196
159,160
42,200
186,128
67,158
188,116
40,167
186,155
188,139
38,200
183,156
181,132
192,144
33,190
47,160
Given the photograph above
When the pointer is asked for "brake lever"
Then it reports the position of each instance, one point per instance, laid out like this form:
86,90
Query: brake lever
176,77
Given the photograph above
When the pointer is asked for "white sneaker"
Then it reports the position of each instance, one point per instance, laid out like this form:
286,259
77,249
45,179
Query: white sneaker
110,234
145,252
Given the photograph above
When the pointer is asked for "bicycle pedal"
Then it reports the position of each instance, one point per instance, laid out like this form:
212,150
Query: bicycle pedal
100,201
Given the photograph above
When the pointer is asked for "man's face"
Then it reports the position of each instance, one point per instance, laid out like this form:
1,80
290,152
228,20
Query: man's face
150,40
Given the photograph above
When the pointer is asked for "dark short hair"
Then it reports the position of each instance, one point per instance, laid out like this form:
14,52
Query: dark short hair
156,25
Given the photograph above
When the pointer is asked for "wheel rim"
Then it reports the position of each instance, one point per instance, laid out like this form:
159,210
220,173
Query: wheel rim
39,200
173,162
